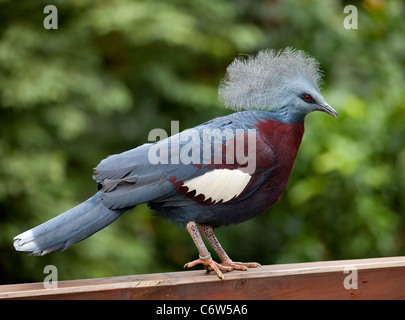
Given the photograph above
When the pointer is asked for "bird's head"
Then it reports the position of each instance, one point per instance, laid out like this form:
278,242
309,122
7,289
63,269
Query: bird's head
286,82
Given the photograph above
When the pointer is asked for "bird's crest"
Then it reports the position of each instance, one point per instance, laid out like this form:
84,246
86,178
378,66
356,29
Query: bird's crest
263,81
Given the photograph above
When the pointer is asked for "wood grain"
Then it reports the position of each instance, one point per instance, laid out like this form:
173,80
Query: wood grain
380,278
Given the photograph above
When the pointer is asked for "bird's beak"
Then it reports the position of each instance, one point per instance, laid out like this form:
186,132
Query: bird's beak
328,109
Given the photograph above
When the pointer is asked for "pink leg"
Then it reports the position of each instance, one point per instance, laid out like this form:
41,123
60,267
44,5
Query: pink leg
204,255
208,233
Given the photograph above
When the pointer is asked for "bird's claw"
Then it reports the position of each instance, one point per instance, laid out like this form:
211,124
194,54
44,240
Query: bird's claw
240,265
228,265
209,265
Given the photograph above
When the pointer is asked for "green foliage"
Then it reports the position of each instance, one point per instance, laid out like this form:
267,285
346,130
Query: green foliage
114,70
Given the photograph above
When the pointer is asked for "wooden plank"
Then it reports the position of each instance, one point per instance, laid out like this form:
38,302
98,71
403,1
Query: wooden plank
381,278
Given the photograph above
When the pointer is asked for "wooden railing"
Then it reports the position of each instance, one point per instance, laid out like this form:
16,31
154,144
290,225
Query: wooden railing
381,278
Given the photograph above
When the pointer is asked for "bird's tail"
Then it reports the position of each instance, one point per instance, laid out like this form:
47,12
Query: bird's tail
68,228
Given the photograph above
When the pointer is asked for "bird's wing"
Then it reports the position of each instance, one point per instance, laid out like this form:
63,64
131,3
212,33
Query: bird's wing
186,171
129,178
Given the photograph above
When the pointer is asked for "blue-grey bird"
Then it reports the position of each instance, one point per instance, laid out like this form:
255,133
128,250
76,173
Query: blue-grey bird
224,171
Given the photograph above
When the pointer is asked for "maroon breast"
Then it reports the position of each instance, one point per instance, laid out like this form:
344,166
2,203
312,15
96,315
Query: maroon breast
284,140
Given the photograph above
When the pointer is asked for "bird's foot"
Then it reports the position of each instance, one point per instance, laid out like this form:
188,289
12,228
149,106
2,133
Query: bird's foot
226,265
209,265
240,265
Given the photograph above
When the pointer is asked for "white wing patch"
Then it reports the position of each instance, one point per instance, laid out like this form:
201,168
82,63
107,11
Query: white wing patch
220,184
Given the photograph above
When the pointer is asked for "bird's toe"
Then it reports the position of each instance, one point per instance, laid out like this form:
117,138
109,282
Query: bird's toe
241,265
210,265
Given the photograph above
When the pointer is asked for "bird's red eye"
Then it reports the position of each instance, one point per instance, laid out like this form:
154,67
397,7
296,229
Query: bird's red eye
307,98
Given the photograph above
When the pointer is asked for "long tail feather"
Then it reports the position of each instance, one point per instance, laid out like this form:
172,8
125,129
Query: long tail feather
68,228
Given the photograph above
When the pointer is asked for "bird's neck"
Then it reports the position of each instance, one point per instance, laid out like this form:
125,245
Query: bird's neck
281,136
286,115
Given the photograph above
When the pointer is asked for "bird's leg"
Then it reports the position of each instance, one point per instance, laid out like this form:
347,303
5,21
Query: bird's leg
208,233
204,255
